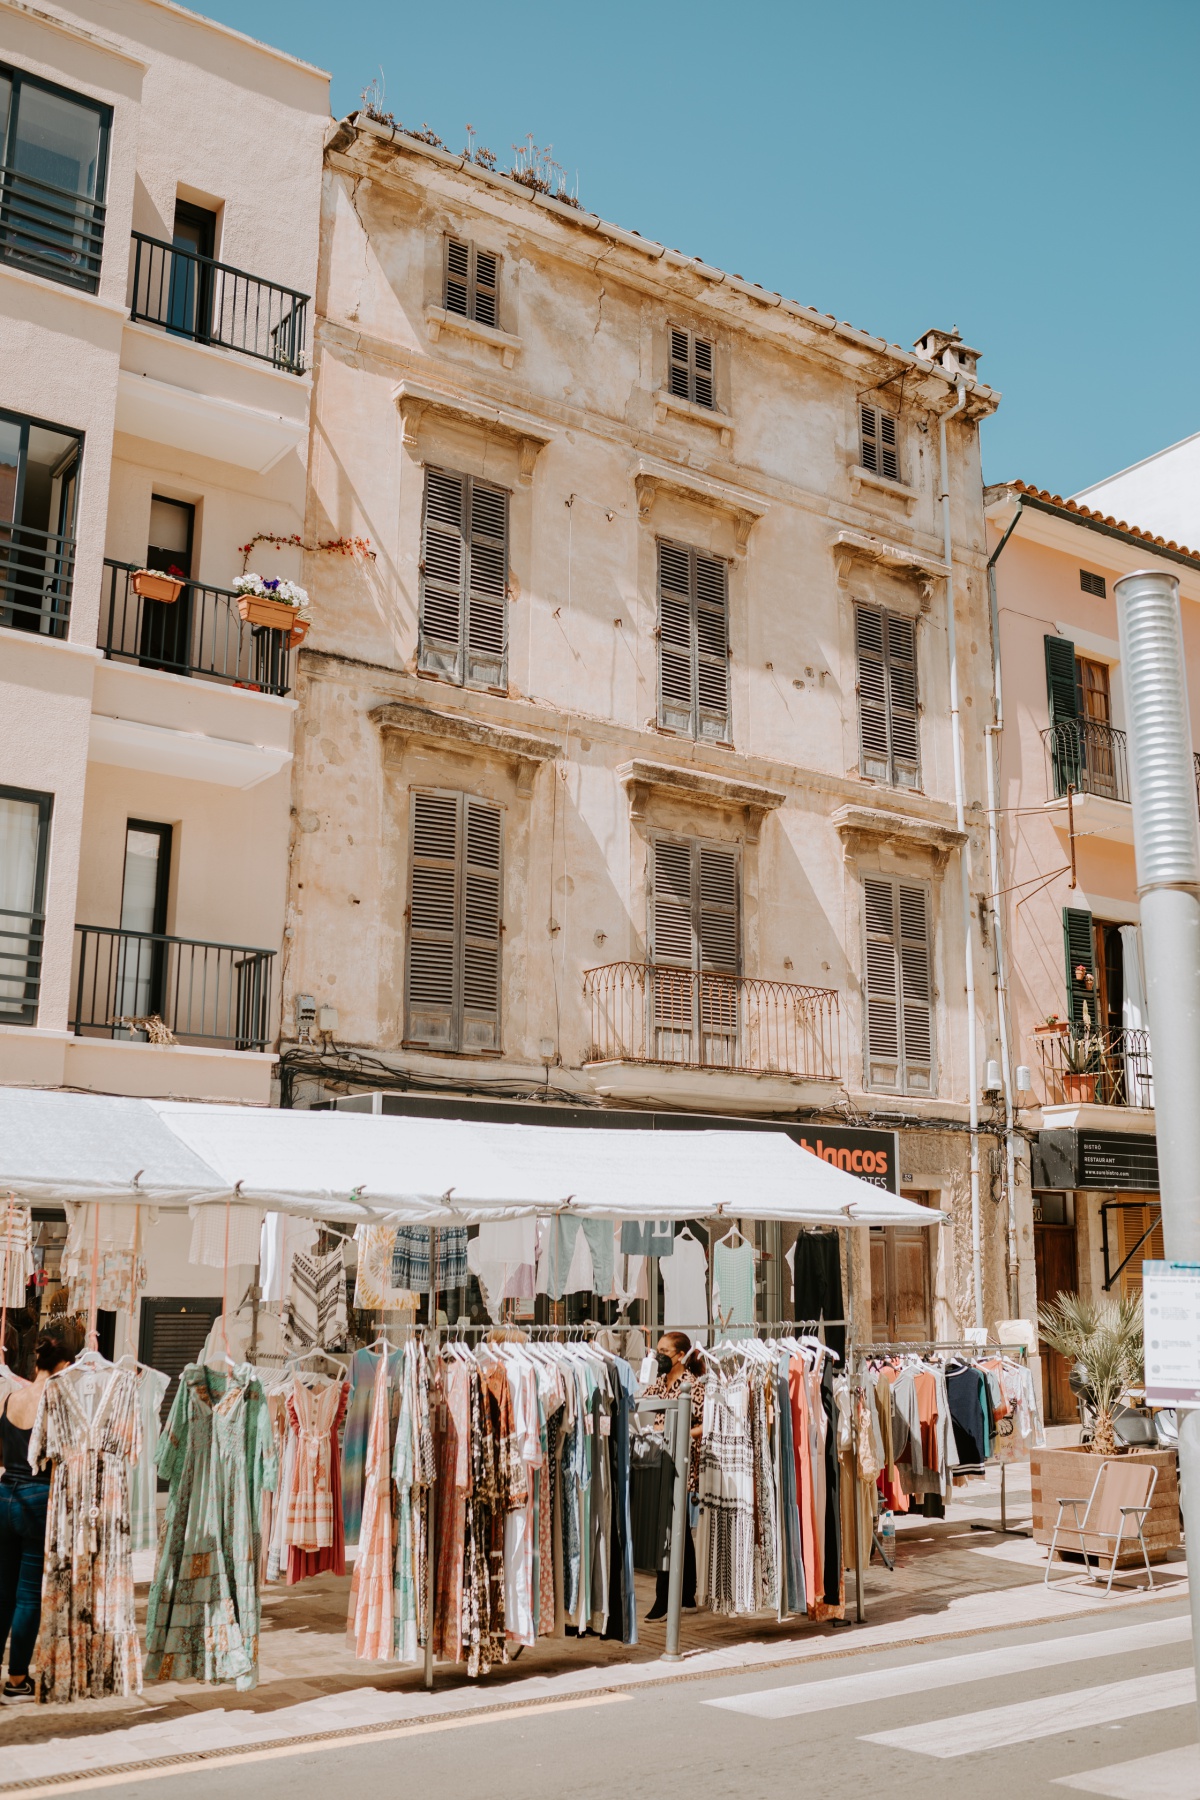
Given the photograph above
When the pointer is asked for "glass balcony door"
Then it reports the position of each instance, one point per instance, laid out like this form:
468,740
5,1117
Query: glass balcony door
141,973
39,479
24,840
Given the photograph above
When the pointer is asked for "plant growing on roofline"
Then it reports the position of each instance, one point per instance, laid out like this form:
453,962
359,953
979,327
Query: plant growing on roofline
1105,1341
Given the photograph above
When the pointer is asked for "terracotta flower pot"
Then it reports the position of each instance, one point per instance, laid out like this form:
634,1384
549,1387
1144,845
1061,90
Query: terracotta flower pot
298,634
1080,1090
276,615
150,585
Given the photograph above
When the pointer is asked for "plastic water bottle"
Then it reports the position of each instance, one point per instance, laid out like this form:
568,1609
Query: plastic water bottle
887,1529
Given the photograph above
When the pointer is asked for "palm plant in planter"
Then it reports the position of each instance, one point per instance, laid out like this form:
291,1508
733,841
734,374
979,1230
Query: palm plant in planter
1080,1054
1106,1340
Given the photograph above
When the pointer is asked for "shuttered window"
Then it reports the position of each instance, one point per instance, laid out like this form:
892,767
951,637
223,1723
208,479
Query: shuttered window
464,580
887,696
899,986
472,282
695,947
693,641
692,367
1079,951
453,986
878,442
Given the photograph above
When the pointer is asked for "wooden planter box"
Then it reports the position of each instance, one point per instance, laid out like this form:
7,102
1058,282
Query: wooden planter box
276,615
298,633
150,585
1058,1029
1069,1473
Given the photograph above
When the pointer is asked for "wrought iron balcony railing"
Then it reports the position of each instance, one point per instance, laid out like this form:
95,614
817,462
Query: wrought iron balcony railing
37,569
201,633
48,230
1098,1068
127,982
213,303
1088,755
20,965
649,1013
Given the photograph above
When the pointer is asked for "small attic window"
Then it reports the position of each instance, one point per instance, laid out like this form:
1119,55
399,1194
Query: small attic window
1093,584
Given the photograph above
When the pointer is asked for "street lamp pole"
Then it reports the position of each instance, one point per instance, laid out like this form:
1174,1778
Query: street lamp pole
1166,833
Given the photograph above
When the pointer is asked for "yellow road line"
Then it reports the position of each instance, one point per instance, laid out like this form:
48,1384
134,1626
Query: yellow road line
306,1747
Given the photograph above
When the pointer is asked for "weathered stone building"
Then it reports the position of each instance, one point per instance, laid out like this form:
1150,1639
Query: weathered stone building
626,770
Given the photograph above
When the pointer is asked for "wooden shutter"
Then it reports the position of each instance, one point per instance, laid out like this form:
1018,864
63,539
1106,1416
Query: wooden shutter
694,906
487,609
1062,691
464,580
486,310
693,636
458,277
472,282
443,566
671,939
887,696
899,986
916,989
480,927
691,375
879,442
454,926
882,1005
1079,943
433,908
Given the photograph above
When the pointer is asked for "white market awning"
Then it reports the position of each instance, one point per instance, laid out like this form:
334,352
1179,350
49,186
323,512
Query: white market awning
332,1165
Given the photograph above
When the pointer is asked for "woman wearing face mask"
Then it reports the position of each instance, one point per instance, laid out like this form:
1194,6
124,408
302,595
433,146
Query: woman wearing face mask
24,1493
677,1360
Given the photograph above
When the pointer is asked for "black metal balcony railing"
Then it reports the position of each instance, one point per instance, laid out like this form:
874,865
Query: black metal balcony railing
36,572
201,633
1088,755
214,303
210,994
652,1014
20,965
1098,1068
49,230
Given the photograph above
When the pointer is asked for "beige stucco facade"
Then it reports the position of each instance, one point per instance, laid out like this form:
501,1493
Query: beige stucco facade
1069,881
562,402
100,720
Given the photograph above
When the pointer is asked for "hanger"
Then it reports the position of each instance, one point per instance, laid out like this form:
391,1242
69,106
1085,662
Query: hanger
317,1355
735,1232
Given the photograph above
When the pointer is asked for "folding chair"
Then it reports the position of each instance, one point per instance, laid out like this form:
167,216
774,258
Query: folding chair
1115,1509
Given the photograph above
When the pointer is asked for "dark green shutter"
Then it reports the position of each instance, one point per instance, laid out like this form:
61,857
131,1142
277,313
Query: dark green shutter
1061,689
1078,944
1062,696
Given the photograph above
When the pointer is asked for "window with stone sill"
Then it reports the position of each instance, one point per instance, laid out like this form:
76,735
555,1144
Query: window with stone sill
471,286
879,447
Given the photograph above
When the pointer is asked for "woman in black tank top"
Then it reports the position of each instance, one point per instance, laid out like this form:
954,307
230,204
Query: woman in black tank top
24,1492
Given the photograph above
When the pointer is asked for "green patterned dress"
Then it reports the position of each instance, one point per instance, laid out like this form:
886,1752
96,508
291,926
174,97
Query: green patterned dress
216,1451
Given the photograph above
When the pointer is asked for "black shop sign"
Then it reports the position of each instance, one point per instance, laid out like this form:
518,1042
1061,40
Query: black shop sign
1108,1161
874,1156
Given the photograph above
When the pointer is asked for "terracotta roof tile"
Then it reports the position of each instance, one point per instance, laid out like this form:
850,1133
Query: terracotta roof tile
1099,518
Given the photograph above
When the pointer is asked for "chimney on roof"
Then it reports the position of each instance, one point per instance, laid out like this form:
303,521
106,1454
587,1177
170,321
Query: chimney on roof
947,349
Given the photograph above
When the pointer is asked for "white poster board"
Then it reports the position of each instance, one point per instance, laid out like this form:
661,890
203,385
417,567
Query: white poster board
1171,1319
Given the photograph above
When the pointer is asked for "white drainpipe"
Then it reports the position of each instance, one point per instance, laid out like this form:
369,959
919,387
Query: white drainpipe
964,860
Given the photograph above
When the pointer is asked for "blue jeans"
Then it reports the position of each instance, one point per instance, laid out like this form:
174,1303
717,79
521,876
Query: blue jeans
22,1553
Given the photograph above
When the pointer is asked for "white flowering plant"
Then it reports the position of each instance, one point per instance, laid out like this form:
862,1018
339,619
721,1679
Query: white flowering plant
289,592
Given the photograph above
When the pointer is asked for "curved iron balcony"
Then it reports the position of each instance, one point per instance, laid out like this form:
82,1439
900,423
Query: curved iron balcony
650,1013
1089,756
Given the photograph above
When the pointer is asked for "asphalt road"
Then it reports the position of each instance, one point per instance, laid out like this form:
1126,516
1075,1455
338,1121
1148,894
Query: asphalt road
1037,1714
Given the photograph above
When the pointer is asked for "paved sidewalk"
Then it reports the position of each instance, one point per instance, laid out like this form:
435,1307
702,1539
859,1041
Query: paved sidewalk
949,1580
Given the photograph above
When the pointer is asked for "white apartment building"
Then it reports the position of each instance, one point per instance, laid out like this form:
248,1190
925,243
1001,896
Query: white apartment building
159,209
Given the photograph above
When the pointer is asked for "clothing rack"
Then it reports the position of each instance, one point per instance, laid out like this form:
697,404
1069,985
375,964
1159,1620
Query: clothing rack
971,1351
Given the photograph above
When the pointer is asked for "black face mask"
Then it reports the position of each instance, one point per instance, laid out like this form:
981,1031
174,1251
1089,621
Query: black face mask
665,1363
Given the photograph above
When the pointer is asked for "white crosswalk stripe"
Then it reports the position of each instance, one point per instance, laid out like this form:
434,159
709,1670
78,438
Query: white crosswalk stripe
998,1726
1167,1775
794,1701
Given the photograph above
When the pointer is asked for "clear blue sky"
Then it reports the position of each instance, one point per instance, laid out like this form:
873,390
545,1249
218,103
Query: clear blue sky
1027,171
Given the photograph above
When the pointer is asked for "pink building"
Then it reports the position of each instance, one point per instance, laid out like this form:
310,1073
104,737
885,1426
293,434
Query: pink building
1070,908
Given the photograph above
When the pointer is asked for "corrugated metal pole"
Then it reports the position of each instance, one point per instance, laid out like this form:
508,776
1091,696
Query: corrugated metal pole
1166,835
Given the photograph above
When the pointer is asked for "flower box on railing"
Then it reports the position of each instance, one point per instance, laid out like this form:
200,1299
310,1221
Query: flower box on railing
275,605
153,584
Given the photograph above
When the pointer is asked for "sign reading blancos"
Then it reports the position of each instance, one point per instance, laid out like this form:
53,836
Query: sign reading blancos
1171,1323
872,1155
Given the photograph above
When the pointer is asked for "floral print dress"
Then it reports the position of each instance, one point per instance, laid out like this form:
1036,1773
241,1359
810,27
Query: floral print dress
216,1451
88,1427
